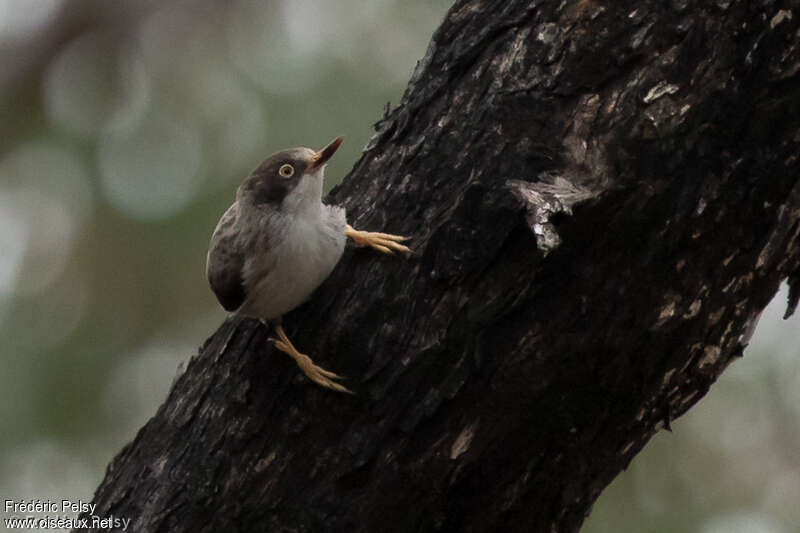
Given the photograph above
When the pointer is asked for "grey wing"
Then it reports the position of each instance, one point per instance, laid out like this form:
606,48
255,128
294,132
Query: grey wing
225,262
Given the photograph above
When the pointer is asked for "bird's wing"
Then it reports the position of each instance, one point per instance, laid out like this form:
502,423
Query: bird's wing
225,261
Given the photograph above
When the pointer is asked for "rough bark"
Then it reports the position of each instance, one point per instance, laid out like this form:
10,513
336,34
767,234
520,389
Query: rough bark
602,199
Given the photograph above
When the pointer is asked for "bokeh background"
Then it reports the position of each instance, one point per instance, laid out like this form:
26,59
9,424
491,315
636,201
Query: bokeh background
125,128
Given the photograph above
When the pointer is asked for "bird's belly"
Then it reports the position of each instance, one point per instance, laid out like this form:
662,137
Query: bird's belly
301,263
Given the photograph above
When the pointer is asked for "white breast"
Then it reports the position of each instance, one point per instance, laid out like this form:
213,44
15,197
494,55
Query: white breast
299,263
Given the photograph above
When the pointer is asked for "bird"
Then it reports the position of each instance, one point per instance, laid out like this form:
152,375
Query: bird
278,242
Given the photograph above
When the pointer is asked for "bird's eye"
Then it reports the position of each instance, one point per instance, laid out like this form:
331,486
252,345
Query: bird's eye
286,170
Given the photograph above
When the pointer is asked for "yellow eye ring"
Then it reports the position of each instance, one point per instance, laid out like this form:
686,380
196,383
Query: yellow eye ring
286,170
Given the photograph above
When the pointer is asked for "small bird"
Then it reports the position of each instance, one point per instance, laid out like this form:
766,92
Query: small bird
278,242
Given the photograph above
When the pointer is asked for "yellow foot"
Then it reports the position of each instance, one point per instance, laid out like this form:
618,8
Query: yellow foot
315,373
384,242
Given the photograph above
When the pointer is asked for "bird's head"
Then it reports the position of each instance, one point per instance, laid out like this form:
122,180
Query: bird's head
290,178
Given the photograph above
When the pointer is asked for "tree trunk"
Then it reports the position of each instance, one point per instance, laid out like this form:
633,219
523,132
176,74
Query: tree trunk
602,199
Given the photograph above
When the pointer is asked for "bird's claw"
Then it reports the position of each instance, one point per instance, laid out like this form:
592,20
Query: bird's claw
383,242
315,373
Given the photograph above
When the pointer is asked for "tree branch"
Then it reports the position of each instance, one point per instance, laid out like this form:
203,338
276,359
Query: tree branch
602,200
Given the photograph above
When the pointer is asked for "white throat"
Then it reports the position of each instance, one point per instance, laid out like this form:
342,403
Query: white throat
305,200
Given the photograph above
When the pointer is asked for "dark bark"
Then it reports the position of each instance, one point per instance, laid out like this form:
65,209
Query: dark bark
602,199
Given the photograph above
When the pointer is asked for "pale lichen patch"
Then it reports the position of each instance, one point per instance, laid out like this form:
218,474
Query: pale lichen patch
660,89
780,16
701,206
547,32
694,308
463,440
264,462
710,356
668,311
626,448
542,200
728,259
158,468
749,329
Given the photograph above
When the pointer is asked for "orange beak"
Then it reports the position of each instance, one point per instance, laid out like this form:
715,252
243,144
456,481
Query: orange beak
321,157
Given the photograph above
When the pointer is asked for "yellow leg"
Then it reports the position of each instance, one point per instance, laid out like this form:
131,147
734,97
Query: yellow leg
384,242
316,374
